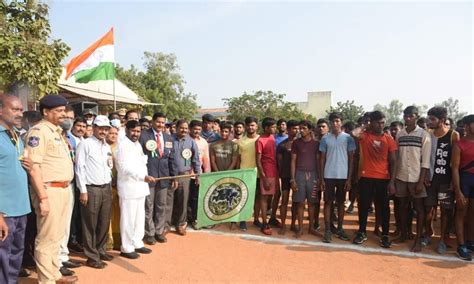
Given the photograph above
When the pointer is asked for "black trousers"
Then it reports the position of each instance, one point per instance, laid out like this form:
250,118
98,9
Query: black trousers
75,234
96,220
193,201
376,190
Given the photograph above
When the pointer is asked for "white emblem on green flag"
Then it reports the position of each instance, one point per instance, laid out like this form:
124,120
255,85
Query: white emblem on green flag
226,196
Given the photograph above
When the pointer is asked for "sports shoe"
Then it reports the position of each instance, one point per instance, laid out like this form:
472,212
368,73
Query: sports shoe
243,226
266,230
463,253
274,222
442,248
385,242
360,238
316,226
327,237
342,235
350,209
257,223
470,245
425,241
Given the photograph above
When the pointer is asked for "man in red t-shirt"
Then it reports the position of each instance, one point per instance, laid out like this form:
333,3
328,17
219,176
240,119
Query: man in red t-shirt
377,166
265,148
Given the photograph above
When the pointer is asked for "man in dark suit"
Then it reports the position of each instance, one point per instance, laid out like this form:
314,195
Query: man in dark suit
158,146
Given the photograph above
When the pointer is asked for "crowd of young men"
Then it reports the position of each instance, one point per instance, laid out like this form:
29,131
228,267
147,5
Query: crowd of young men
117,186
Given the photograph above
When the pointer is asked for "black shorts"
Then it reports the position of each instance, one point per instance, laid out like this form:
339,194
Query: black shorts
467,184
334,190
442,193
285,184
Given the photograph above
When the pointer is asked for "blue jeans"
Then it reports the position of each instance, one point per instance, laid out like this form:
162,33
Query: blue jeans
11,250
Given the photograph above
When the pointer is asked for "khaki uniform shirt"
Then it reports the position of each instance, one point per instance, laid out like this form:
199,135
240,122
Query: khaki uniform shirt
47,147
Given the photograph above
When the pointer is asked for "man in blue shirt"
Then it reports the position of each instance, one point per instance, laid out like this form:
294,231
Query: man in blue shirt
282,133
187,161
14,200
336,162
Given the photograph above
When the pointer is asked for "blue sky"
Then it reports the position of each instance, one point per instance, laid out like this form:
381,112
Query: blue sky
417,52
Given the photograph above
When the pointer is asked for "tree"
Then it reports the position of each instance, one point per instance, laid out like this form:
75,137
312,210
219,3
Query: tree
160,83
28,55
263,104
392,112
422,109
348,109
453,108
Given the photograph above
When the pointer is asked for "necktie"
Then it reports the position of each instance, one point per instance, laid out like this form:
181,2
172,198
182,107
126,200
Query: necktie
158,145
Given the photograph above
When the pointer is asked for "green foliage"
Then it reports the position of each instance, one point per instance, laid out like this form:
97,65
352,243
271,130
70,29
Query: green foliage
27,53
348,109
263,104
453,108
160,83
393,112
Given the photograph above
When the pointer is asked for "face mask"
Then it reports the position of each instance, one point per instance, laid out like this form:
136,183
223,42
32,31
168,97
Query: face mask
90,121
66,125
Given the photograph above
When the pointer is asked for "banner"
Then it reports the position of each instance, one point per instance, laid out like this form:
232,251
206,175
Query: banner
226,196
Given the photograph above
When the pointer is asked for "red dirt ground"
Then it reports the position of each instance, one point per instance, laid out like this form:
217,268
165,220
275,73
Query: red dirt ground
223,255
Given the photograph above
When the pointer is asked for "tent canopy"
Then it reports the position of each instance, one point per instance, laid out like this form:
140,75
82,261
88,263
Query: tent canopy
101,92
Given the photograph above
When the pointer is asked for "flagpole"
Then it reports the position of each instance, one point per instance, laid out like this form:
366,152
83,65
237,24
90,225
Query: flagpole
113,86
113,90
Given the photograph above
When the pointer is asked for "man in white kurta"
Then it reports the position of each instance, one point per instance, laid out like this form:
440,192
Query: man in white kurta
132,189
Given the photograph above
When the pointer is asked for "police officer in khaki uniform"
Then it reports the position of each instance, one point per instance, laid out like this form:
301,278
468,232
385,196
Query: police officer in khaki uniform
51,175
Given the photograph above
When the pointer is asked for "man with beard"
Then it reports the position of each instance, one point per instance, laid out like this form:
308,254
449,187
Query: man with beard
248,161
14,201
439,188
132,189
50,176
93,172
239,129
203,147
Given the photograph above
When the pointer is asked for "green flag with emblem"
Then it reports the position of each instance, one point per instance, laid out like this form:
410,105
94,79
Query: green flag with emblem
226,196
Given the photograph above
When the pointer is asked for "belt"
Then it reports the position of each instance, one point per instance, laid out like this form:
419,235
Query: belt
98,185
61,184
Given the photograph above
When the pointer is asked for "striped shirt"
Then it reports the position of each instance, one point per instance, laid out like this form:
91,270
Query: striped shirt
414,153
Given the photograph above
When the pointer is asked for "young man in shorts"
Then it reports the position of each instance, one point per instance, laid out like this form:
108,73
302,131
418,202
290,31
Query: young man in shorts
247,158
462,164
304,173
336,164
414,154
439,187
377,168
284,169
267,168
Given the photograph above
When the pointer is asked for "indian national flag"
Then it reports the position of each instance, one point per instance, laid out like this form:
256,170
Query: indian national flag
95,63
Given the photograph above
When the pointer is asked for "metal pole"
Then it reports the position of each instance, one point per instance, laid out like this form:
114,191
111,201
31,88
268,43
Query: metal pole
174,177
115,100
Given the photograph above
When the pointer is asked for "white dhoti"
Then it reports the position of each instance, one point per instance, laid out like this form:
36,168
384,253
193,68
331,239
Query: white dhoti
132,223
